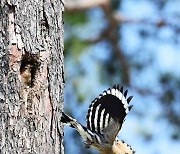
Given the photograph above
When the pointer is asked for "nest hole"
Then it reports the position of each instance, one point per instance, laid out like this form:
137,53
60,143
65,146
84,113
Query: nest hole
28,69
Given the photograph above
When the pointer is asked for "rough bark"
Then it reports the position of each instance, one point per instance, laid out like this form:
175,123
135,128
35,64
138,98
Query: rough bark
31,76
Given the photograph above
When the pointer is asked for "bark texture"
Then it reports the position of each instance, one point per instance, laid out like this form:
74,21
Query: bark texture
31,76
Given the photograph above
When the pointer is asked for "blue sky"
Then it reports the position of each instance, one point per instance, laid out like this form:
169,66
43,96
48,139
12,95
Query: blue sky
164,56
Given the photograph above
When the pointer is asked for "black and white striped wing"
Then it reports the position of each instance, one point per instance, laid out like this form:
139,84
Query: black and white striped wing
109,109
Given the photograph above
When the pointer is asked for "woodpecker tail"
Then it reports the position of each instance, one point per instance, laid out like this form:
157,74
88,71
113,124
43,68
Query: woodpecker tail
67,120
86,134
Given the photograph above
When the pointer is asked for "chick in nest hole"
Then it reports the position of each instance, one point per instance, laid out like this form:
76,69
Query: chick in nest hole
26,76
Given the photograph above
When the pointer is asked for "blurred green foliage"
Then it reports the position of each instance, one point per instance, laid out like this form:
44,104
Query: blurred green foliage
74,46
75,18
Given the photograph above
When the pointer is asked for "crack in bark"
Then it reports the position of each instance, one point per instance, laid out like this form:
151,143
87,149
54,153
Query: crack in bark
52,114
12,36
44,21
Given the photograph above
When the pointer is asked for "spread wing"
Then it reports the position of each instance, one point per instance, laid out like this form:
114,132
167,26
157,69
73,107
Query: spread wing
107,113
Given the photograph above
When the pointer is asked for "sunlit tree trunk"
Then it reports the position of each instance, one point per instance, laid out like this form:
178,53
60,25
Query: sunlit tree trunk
31,76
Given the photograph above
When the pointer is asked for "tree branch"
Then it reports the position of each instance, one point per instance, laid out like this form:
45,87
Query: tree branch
78,5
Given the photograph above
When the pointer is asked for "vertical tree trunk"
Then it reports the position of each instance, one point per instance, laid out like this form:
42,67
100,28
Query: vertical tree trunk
31,76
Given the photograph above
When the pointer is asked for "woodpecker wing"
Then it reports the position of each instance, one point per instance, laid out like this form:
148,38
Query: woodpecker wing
107,113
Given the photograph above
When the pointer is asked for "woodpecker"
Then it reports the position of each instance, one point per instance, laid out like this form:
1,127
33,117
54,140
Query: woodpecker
104,119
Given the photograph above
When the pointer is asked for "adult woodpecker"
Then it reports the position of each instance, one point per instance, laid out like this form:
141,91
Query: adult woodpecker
104,119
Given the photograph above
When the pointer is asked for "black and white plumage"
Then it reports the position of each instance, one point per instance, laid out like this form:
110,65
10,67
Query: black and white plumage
104,119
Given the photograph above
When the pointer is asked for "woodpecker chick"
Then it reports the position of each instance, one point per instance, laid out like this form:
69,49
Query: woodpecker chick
26,75
104,120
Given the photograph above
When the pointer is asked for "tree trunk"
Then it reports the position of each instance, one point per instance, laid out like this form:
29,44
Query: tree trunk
31,76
